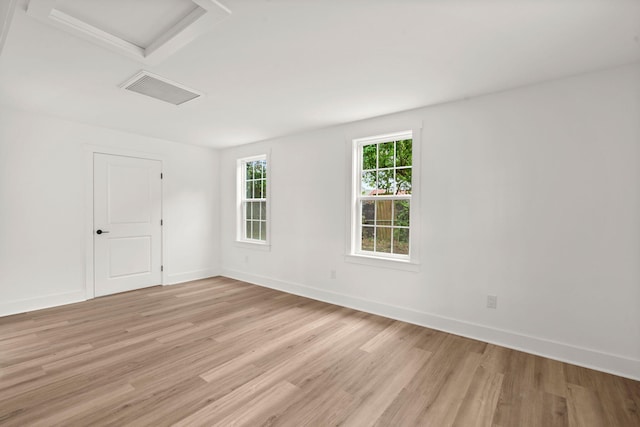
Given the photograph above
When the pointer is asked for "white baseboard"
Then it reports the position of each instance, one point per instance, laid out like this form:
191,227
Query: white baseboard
174,279
47,301
588,358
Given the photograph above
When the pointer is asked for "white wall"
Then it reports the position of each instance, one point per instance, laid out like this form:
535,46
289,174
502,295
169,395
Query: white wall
44,171
532,195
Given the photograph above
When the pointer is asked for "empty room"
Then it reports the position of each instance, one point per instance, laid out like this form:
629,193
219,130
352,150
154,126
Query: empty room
320,213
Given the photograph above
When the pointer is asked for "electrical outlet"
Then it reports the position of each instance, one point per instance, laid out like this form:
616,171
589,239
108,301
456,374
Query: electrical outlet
333,274
492,301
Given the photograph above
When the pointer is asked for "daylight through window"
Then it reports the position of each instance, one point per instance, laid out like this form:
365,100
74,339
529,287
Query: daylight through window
384,195
253,172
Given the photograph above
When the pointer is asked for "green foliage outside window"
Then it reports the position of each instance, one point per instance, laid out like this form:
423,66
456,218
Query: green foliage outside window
386,171
255,212
387,168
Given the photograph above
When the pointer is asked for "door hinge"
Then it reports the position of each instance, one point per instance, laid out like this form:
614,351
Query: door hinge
161,176
162,268
161,223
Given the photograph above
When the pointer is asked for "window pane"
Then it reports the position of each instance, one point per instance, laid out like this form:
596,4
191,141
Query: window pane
369,156
367,238
383,212
249,167
249,186
383,239
255,226
257,189
385,155
263,210
386,182
368,185
401,241
263,230
401,213
255,209
368,212
404,180
386,171
258,170
403,152
253,212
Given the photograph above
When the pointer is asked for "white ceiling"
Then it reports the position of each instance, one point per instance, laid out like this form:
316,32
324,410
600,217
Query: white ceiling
283,66
139,22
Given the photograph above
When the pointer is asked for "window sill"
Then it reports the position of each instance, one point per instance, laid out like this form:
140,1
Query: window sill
253,245
398,264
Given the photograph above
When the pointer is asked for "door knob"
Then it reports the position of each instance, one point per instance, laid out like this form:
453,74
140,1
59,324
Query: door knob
100,232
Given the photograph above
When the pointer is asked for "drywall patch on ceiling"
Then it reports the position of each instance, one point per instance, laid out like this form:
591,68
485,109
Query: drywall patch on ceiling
163,89
168,25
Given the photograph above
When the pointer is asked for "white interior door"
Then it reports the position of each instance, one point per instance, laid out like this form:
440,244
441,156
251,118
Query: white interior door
127,214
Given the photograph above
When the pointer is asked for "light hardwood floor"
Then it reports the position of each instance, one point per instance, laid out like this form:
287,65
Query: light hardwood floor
223,352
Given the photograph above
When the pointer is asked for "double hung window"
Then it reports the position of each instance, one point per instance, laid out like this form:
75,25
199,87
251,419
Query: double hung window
383,172
252,210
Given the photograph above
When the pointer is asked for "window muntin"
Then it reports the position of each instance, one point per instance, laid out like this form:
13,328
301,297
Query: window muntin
383,196
253,204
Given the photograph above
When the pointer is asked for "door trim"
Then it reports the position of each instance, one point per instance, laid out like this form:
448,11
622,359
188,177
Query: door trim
90,151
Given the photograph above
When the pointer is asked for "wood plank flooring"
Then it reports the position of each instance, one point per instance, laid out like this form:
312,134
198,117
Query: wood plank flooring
219,352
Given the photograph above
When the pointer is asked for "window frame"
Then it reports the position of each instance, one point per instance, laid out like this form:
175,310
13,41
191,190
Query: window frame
355,252
242,200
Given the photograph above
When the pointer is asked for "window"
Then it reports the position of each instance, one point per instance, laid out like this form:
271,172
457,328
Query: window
253,205
382,205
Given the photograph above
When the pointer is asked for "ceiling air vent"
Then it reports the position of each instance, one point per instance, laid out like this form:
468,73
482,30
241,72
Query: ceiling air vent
160,88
